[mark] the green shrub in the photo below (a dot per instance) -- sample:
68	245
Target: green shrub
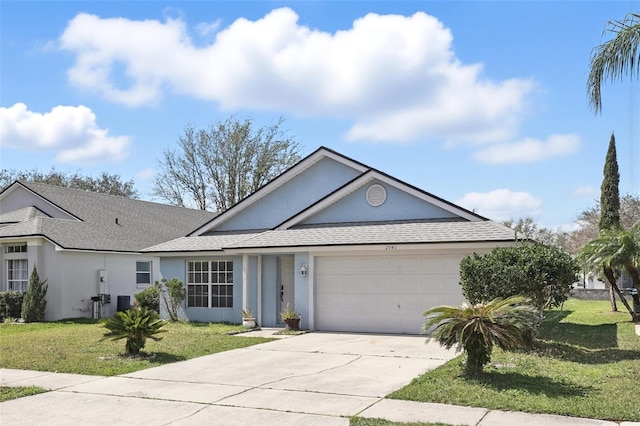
173	296
542	273
35	301
506	323
149	297
136	325
11	304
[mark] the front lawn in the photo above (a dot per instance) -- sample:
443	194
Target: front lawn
75	346
586	363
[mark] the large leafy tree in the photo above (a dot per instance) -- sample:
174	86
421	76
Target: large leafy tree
507	323
615	250
216	167
104	183
614	58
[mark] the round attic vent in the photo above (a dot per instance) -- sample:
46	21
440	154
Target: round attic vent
376	195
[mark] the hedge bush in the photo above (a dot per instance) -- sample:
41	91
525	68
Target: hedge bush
11	304
149	298
542	273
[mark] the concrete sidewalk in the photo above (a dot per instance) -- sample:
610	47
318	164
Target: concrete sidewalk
312	379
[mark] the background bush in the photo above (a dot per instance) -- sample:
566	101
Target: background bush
542	273
11	304
149	297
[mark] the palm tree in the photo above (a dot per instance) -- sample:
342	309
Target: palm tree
136	325
615	250
616	57
507	323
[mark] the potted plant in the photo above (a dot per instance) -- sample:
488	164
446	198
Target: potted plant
248	319
291	318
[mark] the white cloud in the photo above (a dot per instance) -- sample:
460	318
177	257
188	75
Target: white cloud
587	191
395	77
502	204
145	174
529	150
70	131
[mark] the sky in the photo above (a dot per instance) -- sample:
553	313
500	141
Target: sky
482	103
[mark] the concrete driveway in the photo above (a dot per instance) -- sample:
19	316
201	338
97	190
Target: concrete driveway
315	378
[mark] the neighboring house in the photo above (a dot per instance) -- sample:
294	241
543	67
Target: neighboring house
84	244
349	247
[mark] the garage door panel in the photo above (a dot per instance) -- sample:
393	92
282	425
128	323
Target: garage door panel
383	293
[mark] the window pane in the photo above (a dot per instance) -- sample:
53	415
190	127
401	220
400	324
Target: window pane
143	266
143	278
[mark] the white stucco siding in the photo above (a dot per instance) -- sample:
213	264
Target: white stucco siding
73	278
384	292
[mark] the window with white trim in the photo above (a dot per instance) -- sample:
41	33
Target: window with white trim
17	275
210	284
22	248
143	273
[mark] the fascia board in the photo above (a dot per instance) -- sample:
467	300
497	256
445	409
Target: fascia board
372	248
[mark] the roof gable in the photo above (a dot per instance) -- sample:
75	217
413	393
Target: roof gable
404	202
20	195
302	185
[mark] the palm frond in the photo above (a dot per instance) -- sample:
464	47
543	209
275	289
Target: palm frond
614	58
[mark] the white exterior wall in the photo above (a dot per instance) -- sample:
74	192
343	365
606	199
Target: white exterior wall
73	278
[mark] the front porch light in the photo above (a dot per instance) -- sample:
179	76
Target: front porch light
303	270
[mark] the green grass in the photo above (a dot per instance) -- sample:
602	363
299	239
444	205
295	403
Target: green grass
76	346
586	363
7	393
361	421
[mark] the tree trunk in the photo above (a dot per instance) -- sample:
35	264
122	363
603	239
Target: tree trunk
612	281
634	275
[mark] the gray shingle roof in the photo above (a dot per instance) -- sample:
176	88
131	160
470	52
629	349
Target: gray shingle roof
388	233
202	243
391	233
140	223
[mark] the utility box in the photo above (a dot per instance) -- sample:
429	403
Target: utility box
124	303
103	284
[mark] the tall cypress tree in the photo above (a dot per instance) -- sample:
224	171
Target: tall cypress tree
610	208
35	302
609	192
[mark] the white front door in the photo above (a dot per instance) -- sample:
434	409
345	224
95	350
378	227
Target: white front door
286	283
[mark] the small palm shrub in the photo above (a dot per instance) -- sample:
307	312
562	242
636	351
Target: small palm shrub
507	323
136	325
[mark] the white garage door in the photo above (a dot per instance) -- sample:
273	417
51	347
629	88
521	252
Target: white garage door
386	294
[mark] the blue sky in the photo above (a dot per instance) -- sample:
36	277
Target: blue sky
482	103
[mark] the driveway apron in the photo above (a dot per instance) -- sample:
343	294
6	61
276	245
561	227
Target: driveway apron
315	378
